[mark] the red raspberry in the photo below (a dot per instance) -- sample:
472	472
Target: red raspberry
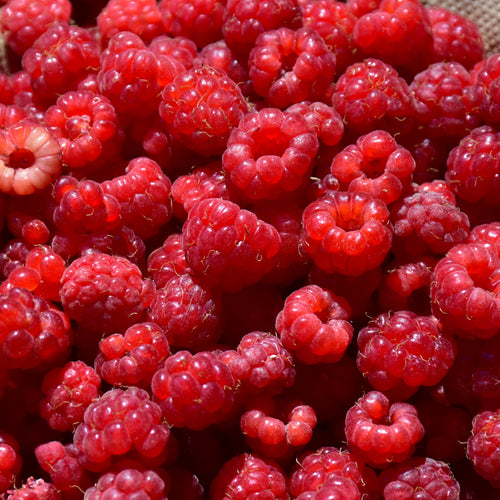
379	432
483	446
30	158
59	59
288	66
10	460
347	232
245	476
269	154
180	48
244	22
68	390
201	107
488	235
334	487
485	79
23	21
465	291
128	484
400	351
370	95
228	247
119	421
35	489
87	129
199	20
188	312
455	37
314	325
194	390
144	196
105	293
134	357
13	255
141	17
377	165
419	476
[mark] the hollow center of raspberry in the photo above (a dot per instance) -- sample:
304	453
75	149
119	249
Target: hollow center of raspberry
21	158
373	168
270	143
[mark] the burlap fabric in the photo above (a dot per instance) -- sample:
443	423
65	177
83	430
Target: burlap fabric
486	13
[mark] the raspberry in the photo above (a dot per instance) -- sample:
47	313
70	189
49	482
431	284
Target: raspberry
180	48
314	325
269	154
188	312
128	484
61	57
86	126
141	17
201	107
347	232
377	165
23	21
288	66
119	421
401	351
35	489
134	357
11	114
465	291
483	445
335	487
488	235
30	158
105	293
370	95
13	256
144	196
247	476
193	390
379	432
10	460
455	37
485	79
228	247
420	476
68	390
244	22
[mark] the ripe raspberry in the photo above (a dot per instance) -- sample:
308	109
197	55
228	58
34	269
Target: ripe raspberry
141	17
23	21
10	460
314	325
483	446
377	165
35	489
485	79
180	48
201	107
199	20
244	22
488	235
61	57
30	158
68	390
465	291
193	390
347	232
134	357
401	351
128	484
189	313
119	421
379	432
228	247
269	154
144	196
247	476
420	476
13	255
11	114
105	293
86	126
455	37
370	95
334	487
288	66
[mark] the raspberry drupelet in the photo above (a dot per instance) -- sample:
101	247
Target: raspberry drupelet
269	154
104	292
194	390
180	48
399	352
379	432
488	235
347	232
314	325
287	66
334	487
10	460
228	247
485	79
